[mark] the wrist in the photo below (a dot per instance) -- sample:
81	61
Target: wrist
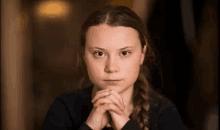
90	125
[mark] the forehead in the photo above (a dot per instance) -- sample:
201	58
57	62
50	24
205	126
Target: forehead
106	36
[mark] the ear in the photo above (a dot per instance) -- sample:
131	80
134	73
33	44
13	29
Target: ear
143	54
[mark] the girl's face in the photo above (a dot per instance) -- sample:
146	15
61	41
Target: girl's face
113	56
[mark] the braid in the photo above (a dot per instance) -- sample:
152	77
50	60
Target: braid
142	100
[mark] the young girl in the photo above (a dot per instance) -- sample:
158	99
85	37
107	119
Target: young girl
114	49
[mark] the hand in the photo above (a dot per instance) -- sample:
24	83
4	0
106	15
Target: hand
99	116
119	118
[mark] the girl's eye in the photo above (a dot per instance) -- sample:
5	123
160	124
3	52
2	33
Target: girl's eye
124	53
98	53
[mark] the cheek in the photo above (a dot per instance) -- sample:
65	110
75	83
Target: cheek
94	69
131	68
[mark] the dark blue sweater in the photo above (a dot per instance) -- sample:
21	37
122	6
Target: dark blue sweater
70	111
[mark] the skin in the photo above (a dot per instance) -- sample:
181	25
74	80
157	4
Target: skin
113	62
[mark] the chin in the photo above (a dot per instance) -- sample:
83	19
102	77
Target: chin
119	88
111	87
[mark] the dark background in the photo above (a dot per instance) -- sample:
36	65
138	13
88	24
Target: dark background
178	58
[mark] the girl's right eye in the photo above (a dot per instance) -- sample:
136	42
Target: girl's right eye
98	53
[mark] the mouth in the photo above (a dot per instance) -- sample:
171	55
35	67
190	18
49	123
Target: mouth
112	80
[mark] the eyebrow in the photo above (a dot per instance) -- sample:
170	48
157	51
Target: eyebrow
104	49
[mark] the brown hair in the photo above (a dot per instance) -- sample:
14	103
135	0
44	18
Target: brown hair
123	16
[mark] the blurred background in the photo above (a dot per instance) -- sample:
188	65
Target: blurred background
40	39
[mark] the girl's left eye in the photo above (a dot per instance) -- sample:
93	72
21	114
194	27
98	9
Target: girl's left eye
124	53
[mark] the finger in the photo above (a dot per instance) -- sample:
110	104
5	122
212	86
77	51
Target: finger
117	96
102	101
100	95
102	109
113	107
116	101
109	99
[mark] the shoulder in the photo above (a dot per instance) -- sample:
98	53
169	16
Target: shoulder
66	110
79	96
164	114
72	100
165	104
161	105
159	102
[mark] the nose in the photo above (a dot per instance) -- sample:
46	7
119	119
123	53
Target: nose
111	66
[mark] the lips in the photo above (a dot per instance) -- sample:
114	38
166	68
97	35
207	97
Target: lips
112	82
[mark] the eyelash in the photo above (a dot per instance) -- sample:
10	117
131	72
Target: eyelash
102	52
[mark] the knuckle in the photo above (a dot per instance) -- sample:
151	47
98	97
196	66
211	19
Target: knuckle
98	109
104	100
110	95
113	91
96	103
110	106
107	105
107	92
107	100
